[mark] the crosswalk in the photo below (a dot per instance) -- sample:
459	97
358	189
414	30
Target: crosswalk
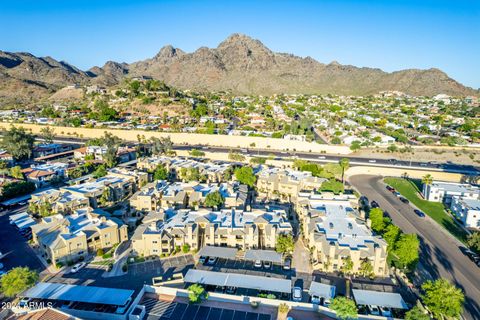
158	308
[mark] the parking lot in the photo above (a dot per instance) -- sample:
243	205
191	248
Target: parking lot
158	309
246	267
15	247
138	274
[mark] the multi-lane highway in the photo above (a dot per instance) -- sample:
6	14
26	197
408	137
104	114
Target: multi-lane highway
320	157
439	254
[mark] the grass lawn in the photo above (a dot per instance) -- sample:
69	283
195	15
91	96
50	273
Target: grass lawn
410	189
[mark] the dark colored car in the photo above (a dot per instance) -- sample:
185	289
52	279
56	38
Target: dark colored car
389	188
419	213
470	254
374	204
404	200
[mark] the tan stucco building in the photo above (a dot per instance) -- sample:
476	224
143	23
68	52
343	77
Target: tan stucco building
67	239
228	227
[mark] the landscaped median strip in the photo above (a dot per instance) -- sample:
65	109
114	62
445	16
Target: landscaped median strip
435	210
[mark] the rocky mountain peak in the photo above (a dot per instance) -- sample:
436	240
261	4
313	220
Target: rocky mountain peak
168	52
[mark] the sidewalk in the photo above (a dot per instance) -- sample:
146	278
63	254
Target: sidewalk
119	262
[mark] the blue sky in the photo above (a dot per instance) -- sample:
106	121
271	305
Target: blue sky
388	34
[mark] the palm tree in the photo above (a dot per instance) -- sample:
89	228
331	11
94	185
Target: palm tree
344	164
427	179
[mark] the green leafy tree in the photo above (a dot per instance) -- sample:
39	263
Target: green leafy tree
18	280
246	176
332	185
378	223
473	241
16	189
214	200
285	243
345	308
161	145
443	299
18	142
196	293
344	164
16	172
105	197
391	235
416	314
186	248
427	179
235	156
347	266
47	134
197	153
110	157
366	268
45	209
101	171
160	173
406	249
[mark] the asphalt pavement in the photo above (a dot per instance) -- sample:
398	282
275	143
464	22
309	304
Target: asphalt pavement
440	254
14	248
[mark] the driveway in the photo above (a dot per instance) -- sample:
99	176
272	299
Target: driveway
439	254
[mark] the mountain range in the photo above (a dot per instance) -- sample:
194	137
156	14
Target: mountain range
239	64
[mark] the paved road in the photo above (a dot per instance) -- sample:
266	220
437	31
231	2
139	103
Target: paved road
17	252
440	254
325	158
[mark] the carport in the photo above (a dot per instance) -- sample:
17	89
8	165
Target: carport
86	294
322	290
218	252
238	281
25	223
382	299
263	255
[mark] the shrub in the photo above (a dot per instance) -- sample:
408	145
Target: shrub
283	308
196	293
100	252
186	248
124	267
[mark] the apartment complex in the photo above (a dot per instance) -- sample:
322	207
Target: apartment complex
161	194
62	239
285	184
467	210
439	191
228	227
334	232
213	171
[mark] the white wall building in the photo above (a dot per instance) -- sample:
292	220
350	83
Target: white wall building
440	191
468	210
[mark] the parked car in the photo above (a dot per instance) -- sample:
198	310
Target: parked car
24	302
389	188
322	157
404	200
287	264
419	213
1	265
372	161
374	204
396	194
212	260
373	310
469	253
202	259
326	302
77	267
258	264
230	290
386	312
267	264
297	294
315	299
